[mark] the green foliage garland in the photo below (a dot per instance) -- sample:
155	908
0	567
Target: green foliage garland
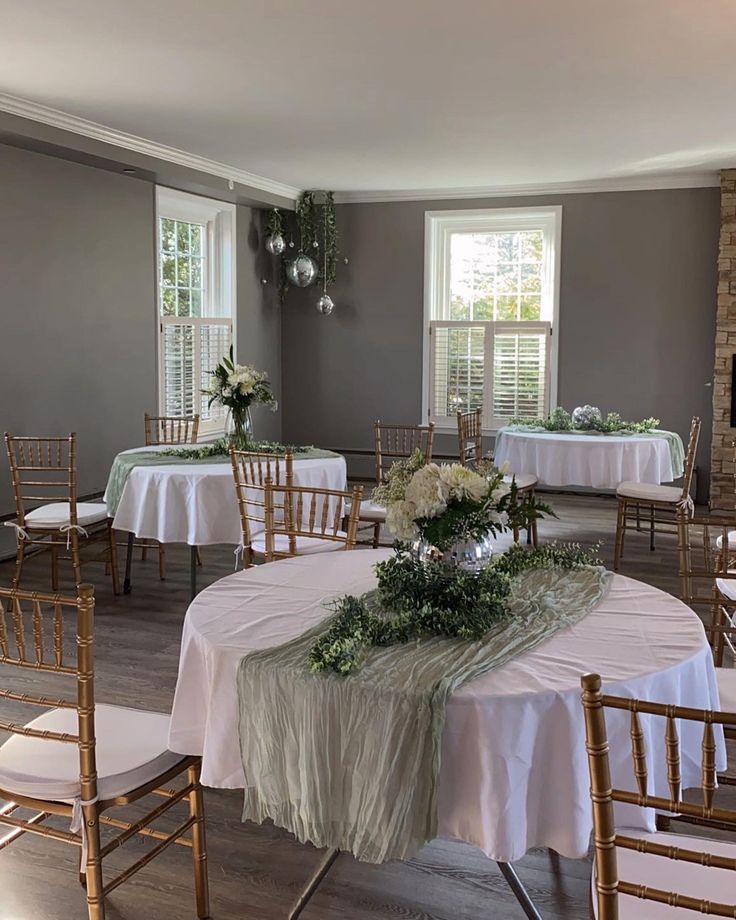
561	420
415	600
275	223
221	448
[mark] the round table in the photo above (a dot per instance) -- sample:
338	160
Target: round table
195	502
514	771
595	461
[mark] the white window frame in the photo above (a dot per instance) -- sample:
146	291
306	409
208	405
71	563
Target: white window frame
220	279
438	229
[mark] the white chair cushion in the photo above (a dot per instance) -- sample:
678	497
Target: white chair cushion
647	491
305	546
727	688
731	540
131	750
523	480
671	875
57	514
727	587
369	511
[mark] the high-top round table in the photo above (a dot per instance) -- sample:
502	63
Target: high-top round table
514	772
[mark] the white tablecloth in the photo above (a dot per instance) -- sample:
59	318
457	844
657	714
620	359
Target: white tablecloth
196	504
600	462
514	771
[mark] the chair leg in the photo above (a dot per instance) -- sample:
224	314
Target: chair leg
199	844
93	874
618	551
535	534
76	562
113	556
651	529
19	557
144	551
516	534
54	562
199	557
161	561
376	536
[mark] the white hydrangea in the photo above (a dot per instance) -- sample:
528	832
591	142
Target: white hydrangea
244	379
400	520
460	482
425	492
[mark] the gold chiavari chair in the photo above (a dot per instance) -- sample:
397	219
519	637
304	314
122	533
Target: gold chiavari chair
635	870
393	442
251	471
168	430
78	760
44	470
470	451
171	429
708	585
302	520
470	436
658	503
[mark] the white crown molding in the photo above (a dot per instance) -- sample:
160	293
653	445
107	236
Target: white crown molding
622	184
34	111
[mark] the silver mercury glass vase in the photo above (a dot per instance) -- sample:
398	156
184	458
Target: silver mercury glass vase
468	555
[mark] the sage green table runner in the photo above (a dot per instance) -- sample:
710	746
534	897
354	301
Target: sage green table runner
674	441
353	762
125	462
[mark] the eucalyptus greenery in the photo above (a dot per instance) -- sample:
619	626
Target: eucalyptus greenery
416	600
221	448
561	420
275	223
318	225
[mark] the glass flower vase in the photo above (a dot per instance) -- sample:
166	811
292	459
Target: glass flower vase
239	428
468	555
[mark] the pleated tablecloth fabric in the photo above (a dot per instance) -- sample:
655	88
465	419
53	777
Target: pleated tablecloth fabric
598	462
195	503
513	771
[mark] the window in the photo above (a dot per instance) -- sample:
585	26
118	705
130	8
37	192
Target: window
196	294
491	293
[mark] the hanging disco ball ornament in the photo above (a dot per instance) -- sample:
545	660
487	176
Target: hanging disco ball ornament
275	244
325	305
302	271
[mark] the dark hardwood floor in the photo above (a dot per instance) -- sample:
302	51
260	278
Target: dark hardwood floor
256	871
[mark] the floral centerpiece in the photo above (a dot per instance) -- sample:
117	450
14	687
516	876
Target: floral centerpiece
587	418
450	512
237	387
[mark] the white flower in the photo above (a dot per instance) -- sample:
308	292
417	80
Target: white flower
244	379
400	520
425	492
458	481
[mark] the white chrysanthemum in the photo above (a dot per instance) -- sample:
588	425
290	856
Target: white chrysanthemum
425	493
244	378
460	482
400	520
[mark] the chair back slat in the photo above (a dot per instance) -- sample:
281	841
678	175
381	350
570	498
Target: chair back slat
298	512
251	470
398	442
42	470
608	885
171	429
692	447
707	551
470	436
638	753
43	609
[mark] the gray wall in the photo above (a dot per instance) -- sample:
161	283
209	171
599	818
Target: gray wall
78	302
77	340
637	315
258	326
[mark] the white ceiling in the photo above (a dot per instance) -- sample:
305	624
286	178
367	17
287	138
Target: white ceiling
394	94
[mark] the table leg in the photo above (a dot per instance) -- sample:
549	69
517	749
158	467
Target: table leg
321	871
193	571
517	886
128	563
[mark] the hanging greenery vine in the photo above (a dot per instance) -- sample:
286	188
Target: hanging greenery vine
275	223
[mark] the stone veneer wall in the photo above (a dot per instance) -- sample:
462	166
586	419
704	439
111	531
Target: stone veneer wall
722	491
